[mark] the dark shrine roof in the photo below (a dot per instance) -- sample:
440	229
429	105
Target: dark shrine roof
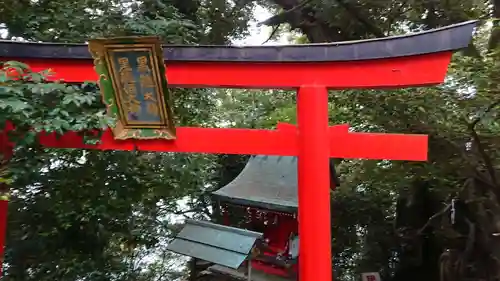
268	182
448	38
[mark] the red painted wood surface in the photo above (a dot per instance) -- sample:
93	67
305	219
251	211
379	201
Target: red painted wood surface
5	145
282	141
5	155
419	70
4	206
315	255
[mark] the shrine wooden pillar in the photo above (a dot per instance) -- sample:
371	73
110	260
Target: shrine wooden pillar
314	184
4	206
6	152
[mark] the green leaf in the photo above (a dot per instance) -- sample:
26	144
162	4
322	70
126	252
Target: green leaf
15	105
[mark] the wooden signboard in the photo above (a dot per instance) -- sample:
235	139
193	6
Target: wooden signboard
134	86
370	276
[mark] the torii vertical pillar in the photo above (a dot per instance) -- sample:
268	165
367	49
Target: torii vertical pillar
6	152
4	205
314	184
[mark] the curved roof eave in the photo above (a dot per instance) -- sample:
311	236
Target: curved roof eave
266	182
448	38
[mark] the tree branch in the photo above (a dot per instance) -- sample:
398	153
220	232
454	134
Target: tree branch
471	238
275	29
433	218
357	15
183	212
494	39
486	111
283	16
486	158
480	147
395	12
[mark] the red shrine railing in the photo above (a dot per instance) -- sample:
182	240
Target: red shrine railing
394	62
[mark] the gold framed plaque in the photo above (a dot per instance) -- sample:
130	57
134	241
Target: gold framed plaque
134	86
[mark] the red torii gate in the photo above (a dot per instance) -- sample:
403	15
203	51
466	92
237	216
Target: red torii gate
395	62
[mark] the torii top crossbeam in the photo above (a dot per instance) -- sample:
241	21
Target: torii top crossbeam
402	61
394	62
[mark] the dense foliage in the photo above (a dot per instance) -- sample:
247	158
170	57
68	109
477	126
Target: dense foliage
86	215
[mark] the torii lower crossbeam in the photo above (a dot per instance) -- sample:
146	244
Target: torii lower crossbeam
283	141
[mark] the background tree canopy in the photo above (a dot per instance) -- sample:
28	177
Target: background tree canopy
88	215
